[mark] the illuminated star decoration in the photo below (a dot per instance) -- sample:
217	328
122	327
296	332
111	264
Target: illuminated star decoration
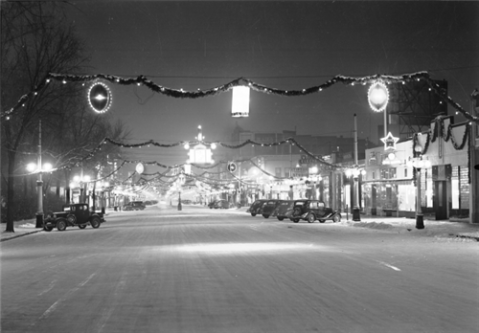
390	142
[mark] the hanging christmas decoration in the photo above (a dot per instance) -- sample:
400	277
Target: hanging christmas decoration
378	96
99	97
240	100
243	82
390	142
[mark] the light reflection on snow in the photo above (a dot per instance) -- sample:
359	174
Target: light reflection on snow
226	248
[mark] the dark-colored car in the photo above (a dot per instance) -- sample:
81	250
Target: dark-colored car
73	215
312	210
284	210
256	207
269	207
134	205
221	204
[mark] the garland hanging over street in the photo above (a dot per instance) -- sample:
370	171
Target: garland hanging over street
180	93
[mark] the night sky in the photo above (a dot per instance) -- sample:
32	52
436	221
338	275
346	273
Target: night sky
285	45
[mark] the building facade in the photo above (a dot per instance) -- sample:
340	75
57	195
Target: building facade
390	185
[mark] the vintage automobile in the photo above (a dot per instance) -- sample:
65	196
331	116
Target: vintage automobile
256	207
78	215
221	204
134	205
312	210
283	210
269	207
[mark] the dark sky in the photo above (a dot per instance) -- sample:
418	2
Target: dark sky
286	45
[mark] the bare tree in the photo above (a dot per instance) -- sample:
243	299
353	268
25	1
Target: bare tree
35	40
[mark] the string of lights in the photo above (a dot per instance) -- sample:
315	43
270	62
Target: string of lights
181	93
290	141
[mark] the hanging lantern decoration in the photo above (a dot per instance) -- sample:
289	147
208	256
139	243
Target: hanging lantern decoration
240	107
378	96
140	168
99	97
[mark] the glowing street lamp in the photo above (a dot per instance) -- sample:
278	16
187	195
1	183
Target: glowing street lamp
34	168
418	163
354	173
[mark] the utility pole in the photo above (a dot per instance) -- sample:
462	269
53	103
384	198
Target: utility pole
356	211
474	160
39	216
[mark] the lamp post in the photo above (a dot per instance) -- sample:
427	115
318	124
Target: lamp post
418	163
39	169
354	173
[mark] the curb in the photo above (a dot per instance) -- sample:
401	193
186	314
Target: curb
466	237
20	235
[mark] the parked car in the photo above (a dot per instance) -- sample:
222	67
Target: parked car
269	207
73	215
312	210
221	204
284	210
256	207
134	205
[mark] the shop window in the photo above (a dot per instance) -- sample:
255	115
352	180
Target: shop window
464	187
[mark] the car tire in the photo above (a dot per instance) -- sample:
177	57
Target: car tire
266	216
336	218
253	214
61	224
47	228
295	220
82	226
95	222
310	218
280	218
322	221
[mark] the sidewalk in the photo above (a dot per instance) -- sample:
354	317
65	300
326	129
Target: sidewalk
21	228
462	229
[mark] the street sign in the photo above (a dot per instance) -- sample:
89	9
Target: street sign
231	167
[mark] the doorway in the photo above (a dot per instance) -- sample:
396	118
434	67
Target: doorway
374	211
440	200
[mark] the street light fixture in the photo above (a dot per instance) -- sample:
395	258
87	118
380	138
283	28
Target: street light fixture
354	173
34	168
418	163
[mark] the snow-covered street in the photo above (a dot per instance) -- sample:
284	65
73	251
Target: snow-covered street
201	270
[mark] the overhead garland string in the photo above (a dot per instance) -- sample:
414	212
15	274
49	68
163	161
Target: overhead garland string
180	93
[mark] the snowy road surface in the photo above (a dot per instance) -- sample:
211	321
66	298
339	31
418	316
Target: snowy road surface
202	270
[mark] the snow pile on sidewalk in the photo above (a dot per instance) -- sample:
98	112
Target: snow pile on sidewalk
26	225
431	228
373	225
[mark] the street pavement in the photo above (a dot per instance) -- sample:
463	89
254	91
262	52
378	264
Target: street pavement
201	270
